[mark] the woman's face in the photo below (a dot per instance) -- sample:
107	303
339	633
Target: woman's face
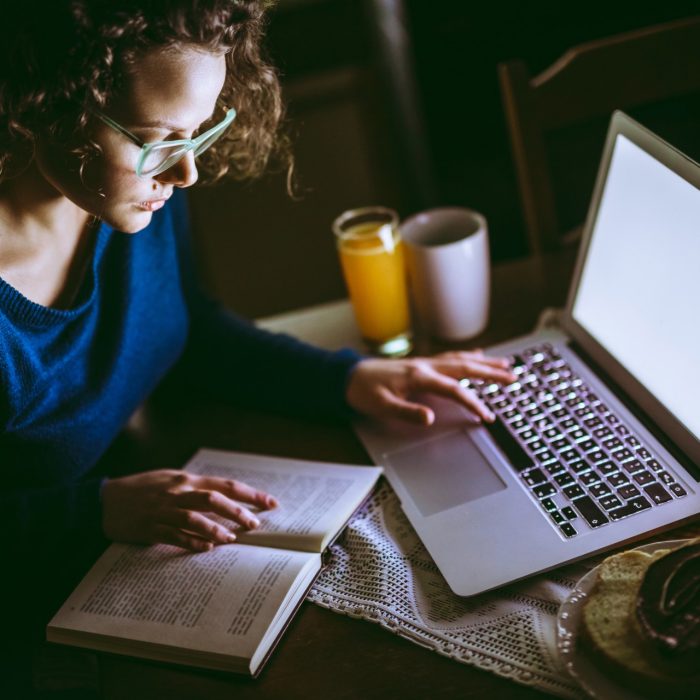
169	94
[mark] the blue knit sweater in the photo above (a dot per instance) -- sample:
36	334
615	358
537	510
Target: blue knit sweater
70	379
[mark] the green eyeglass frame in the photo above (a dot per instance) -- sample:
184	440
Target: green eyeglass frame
158	156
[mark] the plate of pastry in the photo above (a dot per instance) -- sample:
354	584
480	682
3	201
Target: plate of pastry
630	629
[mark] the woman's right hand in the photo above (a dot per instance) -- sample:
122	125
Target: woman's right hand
173	507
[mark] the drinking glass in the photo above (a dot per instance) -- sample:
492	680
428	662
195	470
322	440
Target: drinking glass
372	259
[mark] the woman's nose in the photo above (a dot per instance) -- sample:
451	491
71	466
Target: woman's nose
181	174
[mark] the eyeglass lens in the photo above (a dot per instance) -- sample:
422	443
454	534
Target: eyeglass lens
163	157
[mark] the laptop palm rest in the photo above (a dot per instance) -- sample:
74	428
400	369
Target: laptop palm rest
443	472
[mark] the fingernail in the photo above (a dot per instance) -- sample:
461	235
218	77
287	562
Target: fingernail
231	537
491	417
253	522
272	502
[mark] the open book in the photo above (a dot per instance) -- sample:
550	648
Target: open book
224	609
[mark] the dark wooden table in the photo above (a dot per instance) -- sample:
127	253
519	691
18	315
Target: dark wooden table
322	654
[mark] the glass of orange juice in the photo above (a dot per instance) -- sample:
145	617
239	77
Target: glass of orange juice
371	255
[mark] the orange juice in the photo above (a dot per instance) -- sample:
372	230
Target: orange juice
371	255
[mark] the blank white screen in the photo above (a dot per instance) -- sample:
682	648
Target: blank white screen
640	287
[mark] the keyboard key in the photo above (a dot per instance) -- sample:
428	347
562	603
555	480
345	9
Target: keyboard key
622	430
543	424
544	456
639	503
568	423
560	413
633	466
653	464
557	517
632	441
589	510
628	509
551	433
536	445
534	477
597	456
600	490
665	477
618	479
610	502
678	490
544	490
644	453
628	491
564	479
570	455
561	444
603	432
577	434
612	444
589	478
553	467
580	466
569	513
644	478
518	361
622	455
568	529
587	445
548	504
516	455
606	467
526	435
573	491
657	493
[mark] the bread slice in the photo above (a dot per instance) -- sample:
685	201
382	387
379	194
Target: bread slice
612	638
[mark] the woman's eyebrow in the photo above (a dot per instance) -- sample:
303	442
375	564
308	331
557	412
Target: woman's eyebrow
169	126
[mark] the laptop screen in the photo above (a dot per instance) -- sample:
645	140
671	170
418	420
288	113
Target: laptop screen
639	290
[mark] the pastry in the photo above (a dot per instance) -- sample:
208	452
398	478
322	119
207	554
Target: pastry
637	634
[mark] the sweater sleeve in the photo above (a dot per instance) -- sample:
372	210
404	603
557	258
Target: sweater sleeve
244	364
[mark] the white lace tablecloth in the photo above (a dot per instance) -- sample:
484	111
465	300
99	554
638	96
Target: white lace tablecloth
380	571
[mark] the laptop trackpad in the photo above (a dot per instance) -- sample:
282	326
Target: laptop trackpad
444	472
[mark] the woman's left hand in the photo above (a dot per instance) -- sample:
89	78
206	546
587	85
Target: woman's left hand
381	388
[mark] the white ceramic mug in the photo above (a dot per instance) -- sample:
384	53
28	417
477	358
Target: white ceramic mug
447	256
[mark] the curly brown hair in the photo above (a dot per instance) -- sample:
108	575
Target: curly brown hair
62	61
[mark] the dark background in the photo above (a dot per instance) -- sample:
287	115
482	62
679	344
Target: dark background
262	253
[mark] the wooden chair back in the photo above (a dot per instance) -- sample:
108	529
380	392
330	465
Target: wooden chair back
590	80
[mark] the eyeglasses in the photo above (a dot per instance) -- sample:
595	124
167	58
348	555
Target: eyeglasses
158	156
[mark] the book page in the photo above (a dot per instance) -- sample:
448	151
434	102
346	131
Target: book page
316	498
212	609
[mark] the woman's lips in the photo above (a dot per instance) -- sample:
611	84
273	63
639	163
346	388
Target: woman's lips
151	204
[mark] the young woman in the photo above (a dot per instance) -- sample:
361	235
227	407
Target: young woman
109	110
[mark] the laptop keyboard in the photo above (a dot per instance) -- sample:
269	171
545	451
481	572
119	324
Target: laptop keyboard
576	457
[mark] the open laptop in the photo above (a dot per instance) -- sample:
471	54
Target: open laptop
598	443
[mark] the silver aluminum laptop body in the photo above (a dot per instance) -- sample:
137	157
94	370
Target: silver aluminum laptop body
630	330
